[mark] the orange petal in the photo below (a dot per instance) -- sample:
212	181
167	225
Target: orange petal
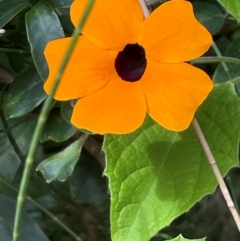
118	108
110	24
174	92
172	34
89	68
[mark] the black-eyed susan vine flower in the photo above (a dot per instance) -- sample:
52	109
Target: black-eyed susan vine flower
124	67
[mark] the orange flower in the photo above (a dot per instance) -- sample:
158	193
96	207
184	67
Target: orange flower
124	66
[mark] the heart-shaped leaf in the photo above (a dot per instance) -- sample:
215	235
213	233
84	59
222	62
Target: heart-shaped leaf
155	174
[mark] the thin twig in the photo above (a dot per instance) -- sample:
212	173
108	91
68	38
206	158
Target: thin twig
216	59
217	173
18	51
145	10
53	217
219	54
234	81
41	122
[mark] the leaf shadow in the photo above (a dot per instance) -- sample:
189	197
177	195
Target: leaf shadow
177	166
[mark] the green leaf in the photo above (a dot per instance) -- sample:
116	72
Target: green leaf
42	25
155	175
62	8
61	165
223	44
86	184
23	131
181	238
209	15
4	61
17	37
20	61
30	230
10	8
232	6
66	110
6	75
57	129
9	160
24	94
222	74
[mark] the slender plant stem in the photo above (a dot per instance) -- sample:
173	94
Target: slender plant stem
234	80
205	60
145	10
217	173
53	217
14	125
40	124
219	54
19	51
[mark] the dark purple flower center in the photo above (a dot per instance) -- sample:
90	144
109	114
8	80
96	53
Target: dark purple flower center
131	63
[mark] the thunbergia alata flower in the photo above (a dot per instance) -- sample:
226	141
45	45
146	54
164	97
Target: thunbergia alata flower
124	66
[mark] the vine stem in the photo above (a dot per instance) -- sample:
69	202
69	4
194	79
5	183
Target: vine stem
219	54
53	217
234	80
145	10
40	124
205	60
9	50
217	172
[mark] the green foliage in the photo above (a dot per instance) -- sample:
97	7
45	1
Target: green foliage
30	229
61	165
232	6
209	15
9	159
25	94
229	71
86	184
10	8
66	110
44	20
57	129
167	172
